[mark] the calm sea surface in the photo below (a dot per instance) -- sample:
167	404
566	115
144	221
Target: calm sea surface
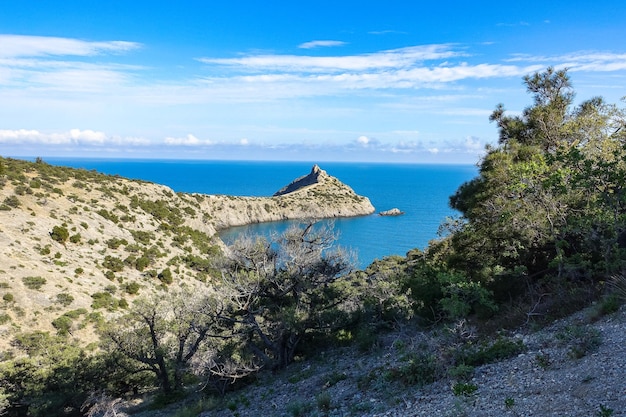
421	191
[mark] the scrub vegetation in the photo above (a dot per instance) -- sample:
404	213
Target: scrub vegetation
147	300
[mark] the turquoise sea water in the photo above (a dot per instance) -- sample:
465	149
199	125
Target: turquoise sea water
421	191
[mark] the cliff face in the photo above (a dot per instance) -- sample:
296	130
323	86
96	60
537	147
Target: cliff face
118	238
314	196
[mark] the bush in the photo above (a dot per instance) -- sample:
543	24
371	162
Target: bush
115	243
502	348
104	300
142	263
166	276
8	297
581	340
421	369
12	201
65	299
132	288
63	324
112	263
34	283
75	238
464	389
60	234
4	319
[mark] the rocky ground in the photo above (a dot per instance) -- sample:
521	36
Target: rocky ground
575	367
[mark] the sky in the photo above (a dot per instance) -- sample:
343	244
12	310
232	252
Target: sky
393	81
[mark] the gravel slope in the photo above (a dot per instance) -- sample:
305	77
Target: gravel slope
546	380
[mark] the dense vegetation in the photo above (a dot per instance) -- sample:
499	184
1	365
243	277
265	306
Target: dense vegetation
541	231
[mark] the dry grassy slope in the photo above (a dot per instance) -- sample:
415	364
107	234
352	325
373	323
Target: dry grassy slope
38	197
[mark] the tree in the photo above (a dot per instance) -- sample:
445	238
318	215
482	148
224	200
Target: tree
283	288
162	334
550	199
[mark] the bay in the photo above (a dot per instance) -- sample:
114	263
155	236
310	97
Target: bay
420	191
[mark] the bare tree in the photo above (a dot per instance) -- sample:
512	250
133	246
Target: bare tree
282	287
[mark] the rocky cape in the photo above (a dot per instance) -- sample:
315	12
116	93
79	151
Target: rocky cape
122	237
313	196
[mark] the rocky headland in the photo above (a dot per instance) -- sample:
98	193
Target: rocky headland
313	196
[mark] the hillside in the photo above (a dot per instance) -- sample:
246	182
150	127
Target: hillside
76	244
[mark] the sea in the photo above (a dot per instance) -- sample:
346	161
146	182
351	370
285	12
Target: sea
421	191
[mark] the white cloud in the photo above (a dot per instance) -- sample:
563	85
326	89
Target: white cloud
318	44
189	140
39	62
394	58
363	140
34	46
86	137
433	150
386	32
244	142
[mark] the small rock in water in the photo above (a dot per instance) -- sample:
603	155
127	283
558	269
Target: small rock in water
393	212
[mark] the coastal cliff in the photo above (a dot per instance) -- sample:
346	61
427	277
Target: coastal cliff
75	241
313	196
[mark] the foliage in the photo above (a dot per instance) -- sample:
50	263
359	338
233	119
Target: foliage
12	202
581	340
165	276
500	349
162	335
465	389
34	283
60	234
286	289
55	376
421	368
112	263
548	209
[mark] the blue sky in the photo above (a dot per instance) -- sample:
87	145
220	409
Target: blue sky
393	81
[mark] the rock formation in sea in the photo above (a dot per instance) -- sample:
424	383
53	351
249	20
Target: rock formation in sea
393	212
316	195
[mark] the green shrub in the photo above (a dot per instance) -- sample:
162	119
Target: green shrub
464	389
142	263
12	201
75	238
142	236
4	318
60	234
502	348
34	283
461	371
113	264
65	299
166	276
324	402
115	243
108	215
420	369
104	300
8	297
299	409
132	288
63	324
580	339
